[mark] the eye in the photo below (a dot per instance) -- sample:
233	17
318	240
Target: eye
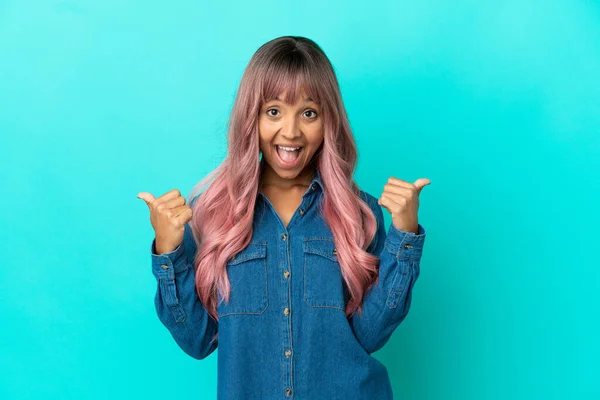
311	111
276	110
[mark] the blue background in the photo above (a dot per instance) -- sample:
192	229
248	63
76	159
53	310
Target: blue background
497	103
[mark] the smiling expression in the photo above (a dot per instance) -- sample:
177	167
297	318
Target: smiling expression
296	125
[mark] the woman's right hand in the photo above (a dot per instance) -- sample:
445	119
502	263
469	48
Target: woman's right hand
168	216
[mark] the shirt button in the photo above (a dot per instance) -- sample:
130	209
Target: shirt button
301	212
288	392
284	236
334	251
408	246
286	273
288	353
312	188
286	311
164	266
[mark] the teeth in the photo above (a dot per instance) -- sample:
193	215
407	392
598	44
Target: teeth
288	148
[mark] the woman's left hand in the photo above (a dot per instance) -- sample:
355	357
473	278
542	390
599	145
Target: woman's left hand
401	199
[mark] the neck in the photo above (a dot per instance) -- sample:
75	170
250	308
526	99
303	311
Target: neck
270	178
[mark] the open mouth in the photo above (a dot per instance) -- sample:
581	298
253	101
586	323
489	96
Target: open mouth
288	156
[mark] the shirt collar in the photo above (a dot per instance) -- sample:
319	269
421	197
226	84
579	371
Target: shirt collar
315	184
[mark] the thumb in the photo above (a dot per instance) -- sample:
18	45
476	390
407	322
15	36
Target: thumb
147	197
421	183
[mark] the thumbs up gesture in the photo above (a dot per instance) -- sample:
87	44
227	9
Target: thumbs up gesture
168	216
401	199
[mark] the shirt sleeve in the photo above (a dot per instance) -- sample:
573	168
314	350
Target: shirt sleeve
176	302
387	303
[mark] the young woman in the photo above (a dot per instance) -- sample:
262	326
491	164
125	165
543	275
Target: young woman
283	262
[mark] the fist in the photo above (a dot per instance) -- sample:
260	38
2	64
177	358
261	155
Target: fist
168	216
401	199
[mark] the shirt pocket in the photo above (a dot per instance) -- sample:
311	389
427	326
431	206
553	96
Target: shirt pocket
247	272
323	282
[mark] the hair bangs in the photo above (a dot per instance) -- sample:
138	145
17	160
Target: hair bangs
288	76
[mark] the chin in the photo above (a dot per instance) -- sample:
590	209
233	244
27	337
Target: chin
287	173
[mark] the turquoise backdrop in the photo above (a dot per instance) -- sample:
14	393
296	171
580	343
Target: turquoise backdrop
497	103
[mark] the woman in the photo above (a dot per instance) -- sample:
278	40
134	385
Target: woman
283	262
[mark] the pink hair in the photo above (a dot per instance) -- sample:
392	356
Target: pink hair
223	213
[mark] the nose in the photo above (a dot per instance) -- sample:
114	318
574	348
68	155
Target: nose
290	130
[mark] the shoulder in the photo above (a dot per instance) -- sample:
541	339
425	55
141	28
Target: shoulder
194	199
373	203
369	199
375	245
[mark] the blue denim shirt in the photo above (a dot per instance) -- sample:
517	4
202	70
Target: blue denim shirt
284	333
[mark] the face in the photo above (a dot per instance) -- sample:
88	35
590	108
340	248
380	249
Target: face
298	128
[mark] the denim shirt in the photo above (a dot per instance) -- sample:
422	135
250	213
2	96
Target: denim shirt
284	333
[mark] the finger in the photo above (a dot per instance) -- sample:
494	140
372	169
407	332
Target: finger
147	197
173	203
183	215
403	190
400	182
172	194
421	183
176	211
389	204
400	199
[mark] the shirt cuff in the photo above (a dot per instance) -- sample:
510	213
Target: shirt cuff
168	263
405	244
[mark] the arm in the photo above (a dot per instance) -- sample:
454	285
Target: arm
177	304
387	303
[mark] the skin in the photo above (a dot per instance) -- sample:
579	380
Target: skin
168	215
401	199
280	123
299	124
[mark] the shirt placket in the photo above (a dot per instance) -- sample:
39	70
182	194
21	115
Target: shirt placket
285	248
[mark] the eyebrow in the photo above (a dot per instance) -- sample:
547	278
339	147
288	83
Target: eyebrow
307	100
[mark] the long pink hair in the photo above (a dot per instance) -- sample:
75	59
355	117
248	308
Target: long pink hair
223	213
